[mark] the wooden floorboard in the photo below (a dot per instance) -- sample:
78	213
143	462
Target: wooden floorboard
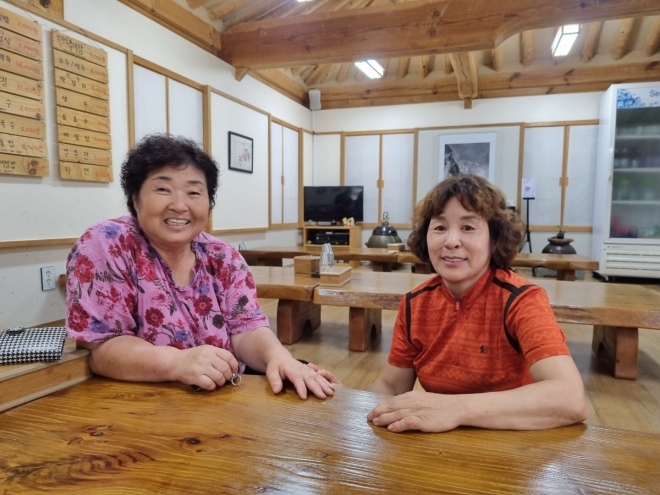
631	405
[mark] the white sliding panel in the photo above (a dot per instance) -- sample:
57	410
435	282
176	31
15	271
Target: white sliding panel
150	102
542	161
290	172
186	106
362	161
582	151
398	162
276	170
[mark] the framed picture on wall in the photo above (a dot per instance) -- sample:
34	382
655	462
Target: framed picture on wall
467	154
240	153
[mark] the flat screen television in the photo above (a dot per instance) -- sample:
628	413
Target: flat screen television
333	203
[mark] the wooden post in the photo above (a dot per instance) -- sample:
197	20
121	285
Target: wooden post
363	323
292	317
617	347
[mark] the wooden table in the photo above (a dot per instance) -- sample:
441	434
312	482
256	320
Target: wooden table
617	311
565	264
108	437
382	259
295	309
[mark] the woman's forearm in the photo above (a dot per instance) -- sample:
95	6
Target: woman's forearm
132	359
541	405
257	347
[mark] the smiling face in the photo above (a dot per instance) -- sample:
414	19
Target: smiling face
459	246
172	207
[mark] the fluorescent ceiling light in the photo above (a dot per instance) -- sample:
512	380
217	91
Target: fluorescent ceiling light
566	36
371	68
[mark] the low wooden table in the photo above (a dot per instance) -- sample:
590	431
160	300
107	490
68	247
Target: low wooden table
295	309
108	437
617	311
565	264
381	259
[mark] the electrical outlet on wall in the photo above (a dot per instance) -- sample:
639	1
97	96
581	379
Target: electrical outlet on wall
48	281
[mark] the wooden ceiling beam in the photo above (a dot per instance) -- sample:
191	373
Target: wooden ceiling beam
406	29
404	65
466	74
343	72
423	63
219	10
551	81
319	73
180	20
193	4
591	41
526	48
252	10
447	64
279	81
623	36
296	71
498	58
653	41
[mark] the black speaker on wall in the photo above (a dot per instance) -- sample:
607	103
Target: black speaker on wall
315	99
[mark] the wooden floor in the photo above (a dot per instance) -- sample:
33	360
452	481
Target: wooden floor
632	405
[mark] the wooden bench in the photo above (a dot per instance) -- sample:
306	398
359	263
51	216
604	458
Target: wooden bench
616	311
565	264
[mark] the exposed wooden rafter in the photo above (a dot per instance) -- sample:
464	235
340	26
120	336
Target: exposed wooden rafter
404	65
251	11
622	41
653	40
425	65
342	72
241	72
591	41
466	76
526	48
551	81
280	82
447	64
179	20
405	29
498	58
224	7
193	4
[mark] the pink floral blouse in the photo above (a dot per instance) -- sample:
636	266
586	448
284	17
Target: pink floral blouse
118	285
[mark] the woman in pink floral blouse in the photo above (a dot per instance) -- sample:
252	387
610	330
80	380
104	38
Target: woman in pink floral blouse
157	299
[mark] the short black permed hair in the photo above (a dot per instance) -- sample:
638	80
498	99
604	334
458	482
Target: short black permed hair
161	150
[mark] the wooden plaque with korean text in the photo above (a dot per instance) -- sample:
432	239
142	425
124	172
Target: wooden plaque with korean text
77	101
82	93
79	171
81	154
21	145
82	120
81	84
79	49
23	165
16	43
83	137
23	66
19	24
25	107
21	86
21	126
23	149
73	64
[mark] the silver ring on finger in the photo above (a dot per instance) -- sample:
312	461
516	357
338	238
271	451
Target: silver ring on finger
235	379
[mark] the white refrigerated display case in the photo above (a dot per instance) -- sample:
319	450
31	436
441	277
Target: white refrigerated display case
626	229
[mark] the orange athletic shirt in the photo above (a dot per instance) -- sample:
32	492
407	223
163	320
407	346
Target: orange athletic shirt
461	346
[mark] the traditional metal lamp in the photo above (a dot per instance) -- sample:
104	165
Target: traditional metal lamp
383	235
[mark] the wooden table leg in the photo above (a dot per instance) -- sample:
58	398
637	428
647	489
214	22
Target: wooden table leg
270	262
292	317
423	268
568	275
381	266
363	323
618	348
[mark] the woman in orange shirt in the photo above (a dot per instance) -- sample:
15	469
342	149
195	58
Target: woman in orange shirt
483	342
